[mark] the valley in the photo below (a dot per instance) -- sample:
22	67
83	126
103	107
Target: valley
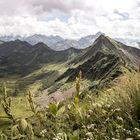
69	70
50	76
39	66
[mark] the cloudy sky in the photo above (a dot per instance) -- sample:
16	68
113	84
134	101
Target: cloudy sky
70	18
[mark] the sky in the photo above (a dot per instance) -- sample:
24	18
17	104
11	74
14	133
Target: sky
70	18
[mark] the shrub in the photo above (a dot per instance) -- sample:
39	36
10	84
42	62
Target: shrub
114	114
129	98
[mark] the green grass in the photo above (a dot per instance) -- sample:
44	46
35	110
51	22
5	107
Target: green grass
112	114
20	107
38	80
42	78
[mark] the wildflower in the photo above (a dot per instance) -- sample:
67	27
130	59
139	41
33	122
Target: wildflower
42	133
98	105
59	136
83	126
119	126
117	109
120	120
108	106
114	139
107	120
128	132
124	129
91	126
136	129
89	135
90	111
88	116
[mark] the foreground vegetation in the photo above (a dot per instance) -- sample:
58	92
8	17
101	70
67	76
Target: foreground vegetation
112	114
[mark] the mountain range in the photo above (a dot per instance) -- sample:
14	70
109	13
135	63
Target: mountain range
100	63
58	43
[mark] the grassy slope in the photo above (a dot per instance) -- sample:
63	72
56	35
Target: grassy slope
106	116
33	82
111	114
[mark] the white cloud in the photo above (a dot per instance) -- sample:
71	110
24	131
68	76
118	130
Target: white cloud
70	18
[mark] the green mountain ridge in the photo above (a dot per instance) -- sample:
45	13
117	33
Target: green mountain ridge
19	57
100	63
104	61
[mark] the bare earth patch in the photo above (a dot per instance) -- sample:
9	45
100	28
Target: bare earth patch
58	96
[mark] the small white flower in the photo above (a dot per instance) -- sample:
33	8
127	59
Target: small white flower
42	133
136	129
88	116
118	109
59	136
129	139
114	139
83	126
91	126
98	105
90	111
89	135
108	106
120	118
128	132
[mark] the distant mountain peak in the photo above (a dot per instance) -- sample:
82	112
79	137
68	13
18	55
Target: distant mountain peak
101	37
99	33
18	40
48	40
42	45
